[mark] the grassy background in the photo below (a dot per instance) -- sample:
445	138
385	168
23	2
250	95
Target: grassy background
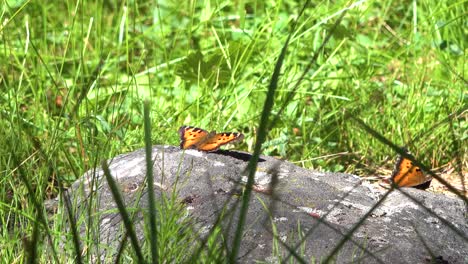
74	75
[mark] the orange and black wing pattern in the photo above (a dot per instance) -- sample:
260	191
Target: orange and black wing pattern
215	141
406	174
191	136
200	139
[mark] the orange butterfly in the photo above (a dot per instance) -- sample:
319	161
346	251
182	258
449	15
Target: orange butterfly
197	138
406	174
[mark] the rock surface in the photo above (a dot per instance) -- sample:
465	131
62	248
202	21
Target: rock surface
307	210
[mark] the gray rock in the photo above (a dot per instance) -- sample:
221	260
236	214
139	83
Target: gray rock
306	210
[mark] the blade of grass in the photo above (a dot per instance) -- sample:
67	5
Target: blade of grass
150	179
306	71
225	213
17	12
65	199
406	155
292	250
41	218
123	211
458	160
32	244
349	234
53	171
261	137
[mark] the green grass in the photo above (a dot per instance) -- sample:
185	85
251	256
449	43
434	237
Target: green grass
74	76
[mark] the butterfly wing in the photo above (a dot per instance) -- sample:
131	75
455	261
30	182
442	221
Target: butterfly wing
190	137
213	142
406	174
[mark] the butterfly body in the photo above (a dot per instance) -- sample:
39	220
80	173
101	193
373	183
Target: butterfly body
406	174
200	139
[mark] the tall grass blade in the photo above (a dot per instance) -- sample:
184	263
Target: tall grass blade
293	91
123	211
387	142
37	206
408	156
150	179
65	199
261	137
31	246
292	250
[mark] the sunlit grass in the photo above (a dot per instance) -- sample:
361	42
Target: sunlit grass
74	77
